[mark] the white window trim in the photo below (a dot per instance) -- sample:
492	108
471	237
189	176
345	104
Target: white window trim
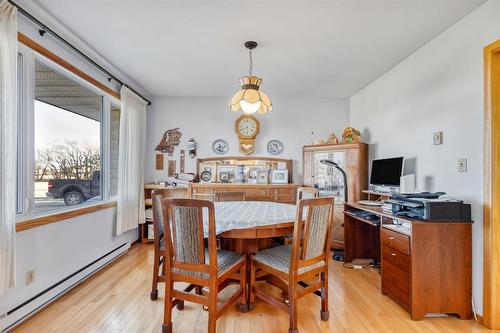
27	126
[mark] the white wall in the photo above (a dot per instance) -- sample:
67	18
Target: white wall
208	118
438	88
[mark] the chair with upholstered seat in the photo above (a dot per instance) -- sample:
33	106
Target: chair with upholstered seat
186	260
157	196
302	193
299	263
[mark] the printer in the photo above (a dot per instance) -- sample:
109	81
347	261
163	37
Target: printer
429	207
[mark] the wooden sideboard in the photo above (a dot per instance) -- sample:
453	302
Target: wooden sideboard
426	269
353	158
284	193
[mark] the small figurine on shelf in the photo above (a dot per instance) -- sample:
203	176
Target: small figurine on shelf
191	146
351	135
332	139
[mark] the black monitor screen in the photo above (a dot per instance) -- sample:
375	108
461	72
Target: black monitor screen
387	171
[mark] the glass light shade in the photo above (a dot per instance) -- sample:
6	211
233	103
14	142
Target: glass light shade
249	99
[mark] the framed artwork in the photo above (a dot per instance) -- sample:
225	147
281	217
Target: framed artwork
229	173
262	177
224	177
279	176
171	168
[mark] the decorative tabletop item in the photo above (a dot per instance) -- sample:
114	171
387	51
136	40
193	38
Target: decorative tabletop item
274	147
170	139
332	139
220	146
206	176
351	135
191	146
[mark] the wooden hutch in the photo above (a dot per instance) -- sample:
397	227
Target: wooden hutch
241	174
353	159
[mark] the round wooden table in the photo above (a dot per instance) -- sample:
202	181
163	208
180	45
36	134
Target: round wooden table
248	226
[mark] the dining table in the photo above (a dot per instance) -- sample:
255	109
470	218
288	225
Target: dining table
246	227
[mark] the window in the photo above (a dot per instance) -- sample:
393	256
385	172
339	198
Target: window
67	142
68	139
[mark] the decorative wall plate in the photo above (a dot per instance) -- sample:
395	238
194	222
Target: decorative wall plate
274	147
220	146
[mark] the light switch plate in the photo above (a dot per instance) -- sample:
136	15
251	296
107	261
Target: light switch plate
438	138
462	164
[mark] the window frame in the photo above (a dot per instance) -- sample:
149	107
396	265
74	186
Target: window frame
26	157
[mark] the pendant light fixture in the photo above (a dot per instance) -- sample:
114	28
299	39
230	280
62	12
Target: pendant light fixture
250	99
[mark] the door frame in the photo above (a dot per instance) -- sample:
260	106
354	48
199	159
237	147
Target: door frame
491	212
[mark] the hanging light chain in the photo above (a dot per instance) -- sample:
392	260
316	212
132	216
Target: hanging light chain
250	70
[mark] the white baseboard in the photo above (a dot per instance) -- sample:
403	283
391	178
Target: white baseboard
29	307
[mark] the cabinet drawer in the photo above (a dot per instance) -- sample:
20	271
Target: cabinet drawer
278	191
395	240
204	190
396	283
290	198
257	192
396	278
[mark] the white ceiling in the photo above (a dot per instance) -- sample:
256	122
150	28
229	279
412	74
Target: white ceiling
306	48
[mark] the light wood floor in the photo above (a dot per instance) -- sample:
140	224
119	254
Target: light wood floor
117	300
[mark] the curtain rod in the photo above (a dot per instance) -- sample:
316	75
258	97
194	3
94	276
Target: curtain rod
43	29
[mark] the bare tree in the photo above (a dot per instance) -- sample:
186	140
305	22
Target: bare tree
69	160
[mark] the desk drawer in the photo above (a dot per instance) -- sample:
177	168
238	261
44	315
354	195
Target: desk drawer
395	240
396	280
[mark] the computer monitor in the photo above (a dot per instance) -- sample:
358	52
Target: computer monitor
387	171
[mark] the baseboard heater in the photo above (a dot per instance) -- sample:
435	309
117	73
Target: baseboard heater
28	308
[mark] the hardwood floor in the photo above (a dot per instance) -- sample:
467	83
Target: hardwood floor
117	300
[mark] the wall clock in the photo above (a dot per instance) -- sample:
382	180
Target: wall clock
220	146
274	147
247	127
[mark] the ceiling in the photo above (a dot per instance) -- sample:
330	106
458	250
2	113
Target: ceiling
307	48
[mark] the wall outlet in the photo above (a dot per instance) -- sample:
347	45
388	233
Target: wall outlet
438	138
462	164
30	277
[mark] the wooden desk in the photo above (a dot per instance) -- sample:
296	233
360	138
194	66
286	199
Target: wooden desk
427	269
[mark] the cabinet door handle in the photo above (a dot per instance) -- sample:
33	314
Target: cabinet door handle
263	193
391	238
393	254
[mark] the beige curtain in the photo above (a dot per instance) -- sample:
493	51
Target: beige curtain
8	138
131	156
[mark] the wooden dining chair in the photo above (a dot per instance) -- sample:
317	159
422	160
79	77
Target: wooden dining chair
229	196
294	264
186	260
307	192
159	243
302	193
